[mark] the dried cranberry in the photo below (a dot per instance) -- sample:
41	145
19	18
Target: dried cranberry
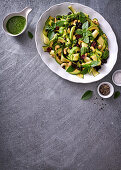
69	13
74	65
94	44
77	45
59	57
49	49
82	56
78	36
57	27
70	47
97	67
104	61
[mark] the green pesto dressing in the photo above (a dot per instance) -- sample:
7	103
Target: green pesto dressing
16	24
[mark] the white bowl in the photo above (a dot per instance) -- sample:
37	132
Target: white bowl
117	71
111	90
53	65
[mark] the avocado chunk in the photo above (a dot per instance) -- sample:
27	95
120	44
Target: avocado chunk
80	76
94	72
101	40
93	27
58	60
74	50
63	59
84	44
45	48
95	33
72	9
52	53
99	52
60	39
72	32
75	72
46	39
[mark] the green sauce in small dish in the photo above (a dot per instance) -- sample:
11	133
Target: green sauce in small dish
16	24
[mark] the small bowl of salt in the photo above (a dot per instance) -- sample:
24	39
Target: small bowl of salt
116	77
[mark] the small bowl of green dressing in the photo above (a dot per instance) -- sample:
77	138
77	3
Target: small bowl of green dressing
15	24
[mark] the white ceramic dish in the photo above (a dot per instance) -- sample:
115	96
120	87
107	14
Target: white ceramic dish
53	65
111	90
113	77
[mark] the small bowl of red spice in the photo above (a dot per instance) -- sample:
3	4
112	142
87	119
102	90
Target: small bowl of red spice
105	89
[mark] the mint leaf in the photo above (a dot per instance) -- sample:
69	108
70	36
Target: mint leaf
85	25
30	35
86	39
116	94
83	50
70	69
51	34
87	95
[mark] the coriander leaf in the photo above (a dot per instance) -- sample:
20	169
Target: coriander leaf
83	50
116	94
79	31
51	34
87	95
105	54
85	25
70	69
30	34
86	39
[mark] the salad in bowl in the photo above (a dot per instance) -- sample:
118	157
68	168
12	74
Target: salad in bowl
76	42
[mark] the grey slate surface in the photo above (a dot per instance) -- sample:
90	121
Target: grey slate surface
43	123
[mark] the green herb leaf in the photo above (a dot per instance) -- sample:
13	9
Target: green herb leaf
94	63
82	17
30	34
79	31
85	70
60	23
105	54
83	50
85	25
87	95
51	34
116	94
70	69
86	39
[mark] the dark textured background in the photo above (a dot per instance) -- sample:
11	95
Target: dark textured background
43	123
